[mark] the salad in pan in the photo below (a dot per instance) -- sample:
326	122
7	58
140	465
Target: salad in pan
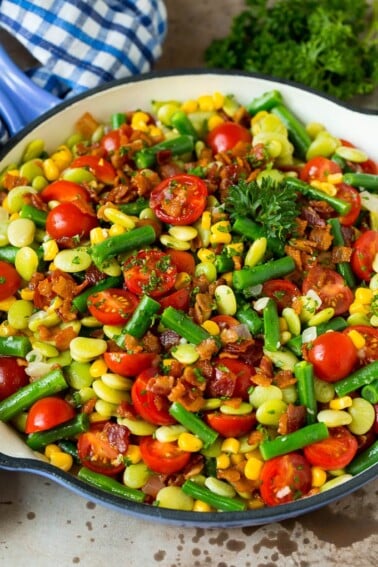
189	304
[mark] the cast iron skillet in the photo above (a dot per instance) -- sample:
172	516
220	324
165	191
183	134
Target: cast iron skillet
359	126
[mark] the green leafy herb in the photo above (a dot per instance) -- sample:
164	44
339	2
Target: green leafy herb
329	45
272	204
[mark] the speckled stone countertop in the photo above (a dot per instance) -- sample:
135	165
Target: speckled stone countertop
43	524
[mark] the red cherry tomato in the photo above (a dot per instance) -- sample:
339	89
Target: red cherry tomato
47	413
347	193
231	425
284	479
241	372
333	356
319	168
151	272
12	376
103	447
179	299
282	291
112	306
113	140
100	167
330	287
364	250
151	407
335	452
163	458
368	166
369	352
225	136
179	200
184	261
64	191
129	364
67	220
10	281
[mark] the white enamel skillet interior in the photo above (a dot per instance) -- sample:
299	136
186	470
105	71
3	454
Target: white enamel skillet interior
355	125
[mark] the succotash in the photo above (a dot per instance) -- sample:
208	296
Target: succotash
189	304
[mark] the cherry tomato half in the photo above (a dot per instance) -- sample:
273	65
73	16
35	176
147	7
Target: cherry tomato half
163	458
364	250
330	287
10	281
179	200
333	356
102	448
179	299
129	364
240	373
64	191
67	220
47	413
369	352
151	272
284	479
231	425
100	167
350	195
151	407
225	136
335	452
12	376
319	168
112	306
282	291
184	261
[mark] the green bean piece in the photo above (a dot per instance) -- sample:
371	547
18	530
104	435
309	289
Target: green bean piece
50	384
80	301
365	375
343	268
250	277
8	253
39	439
193	423
135	207
36	215
297	132
249	317
125	242
251	230
109	484
266	101
294	441
271	326
304	374
341	162
177	146
15	346
340	206
140	321
183	124
367	181
117	119
223	263
224	503
364	460
70	448
183	325
370	392
335	324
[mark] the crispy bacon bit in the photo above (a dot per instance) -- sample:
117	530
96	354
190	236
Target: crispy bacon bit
296	255
169	339
189	390
284	378
60	337
312	217
341	254
207	348
132	344
222	384
86	125
322	237
293	419
10	181
151	343
255	438
160	385
203	307
195	466
125	409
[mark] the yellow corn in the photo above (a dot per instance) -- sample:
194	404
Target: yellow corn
139	121
182	280
155	131
14	216
7	330
50	449
237	459
50	169
341	403
98	235
189	442
206	103
133	454
116	229
27	294
227	276
50	250
357	338
364	295
211	327
218	99
319	476
223	461
98	368
62	157
235	248
200	506
230	445
335	178
206	220
6	303
255	504
324	186
189	106
283	324
357	307
62	460
253	468
95	417
206	255
220	237
214	121
256	119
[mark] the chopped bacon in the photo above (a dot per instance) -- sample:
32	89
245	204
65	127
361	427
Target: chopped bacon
255	438
203	307
86	125
160	385
60	337
296	255
169	339
312	217
151	343
222	384
207	348
284	378
10	181
341	254
322	237
188	390
293	419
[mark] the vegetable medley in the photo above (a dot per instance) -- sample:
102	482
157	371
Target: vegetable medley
189	304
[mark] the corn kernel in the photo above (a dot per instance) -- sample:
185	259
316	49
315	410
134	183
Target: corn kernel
139	120
211	327
237	459
6	303
50	449
220	238
183	279
50	169
218	99
324	186
357	338
133	454
116	229
255	504
200	506
364	295
7	330
98	235
61	460
50	250
253	468
189	442
214	121
227	276
341	403
335	178
155	131
283	324
206	220
319	476
235	248
206	103
62	157
257	117
95	417
27	294
189	106
206	255
359	308
98	368
230	445
223	461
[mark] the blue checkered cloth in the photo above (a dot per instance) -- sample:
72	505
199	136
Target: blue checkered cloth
83	43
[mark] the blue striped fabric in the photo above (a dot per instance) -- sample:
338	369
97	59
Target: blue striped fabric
83	43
